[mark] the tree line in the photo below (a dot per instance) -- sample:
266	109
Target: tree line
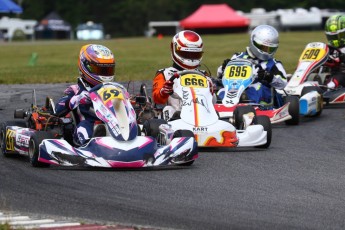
130	17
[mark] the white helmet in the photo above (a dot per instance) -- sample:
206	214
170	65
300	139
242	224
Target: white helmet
264	41
186	49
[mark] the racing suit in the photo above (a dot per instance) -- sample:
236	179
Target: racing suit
76	99
173	100
336	63
270	73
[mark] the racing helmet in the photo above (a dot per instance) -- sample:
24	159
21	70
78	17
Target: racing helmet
96	64
186	49
335	30
264	41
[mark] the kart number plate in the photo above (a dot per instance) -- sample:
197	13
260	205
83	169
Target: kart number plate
110	93
312	54
237	72
10	134
193	80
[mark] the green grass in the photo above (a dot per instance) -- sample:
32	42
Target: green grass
5	226
136	58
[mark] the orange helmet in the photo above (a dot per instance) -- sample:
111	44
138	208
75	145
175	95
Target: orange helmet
96	64
186	49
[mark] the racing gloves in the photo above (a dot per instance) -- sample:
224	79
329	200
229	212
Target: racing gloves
342	57
84	98
80	99
167	89
264	76
225	62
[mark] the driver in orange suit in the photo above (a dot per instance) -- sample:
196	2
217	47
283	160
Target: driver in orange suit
186	52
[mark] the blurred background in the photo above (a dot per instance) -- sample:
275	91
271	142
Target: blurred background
105	19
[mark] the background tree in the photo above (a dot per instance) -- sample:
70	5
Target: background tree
131	17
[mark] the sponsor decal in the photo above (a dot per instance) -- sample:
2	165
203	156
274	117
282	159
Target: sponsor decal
196	100
200	129
166	115
283	113
114	128
22	140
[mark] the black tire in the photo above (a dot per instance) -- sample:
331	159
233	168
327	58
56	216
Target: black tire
238	115
3	143
34	143
293	110
308	89
266	123
143	90
151	127
139	130
20	113
144	115
184	133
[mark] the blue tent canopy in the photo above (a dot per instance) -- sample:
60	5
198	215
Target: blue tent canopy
8	6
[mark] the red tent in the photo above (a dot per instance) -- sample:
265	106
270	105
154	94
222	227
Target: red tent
214	16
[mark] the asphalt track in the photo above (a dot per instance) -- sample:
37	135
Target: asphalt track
298	183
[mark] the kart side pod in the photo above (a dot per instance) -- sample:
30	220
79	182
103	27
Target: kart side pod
311	104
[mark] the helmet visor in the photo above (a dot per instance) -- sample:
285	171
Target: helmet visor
101	69
266	49
336	38
189	54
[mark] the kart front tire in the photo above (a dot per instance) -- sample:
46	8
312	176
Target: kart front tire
151	127
238	115
35	140
266	123
293	110
3	140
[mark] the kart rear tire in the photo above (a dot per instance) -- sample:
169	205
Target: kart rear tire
151	127
143	89
184	133
293	110
20	113
238	115
266	123
308	89
20	123
35	140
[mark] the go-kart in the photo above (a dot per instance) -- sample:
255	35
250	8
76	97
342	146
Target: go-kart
310	78
198	118
47	139
238	75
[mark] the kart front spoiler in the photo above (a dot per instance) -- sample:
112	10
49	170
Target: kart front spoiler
110	153
276	115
